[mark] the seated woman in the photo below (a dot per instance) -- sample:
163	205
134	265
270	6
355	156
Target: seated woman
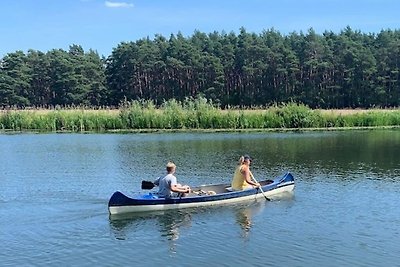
242	177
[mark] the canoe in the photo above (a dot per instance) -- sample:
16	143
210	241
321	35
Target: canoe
204	195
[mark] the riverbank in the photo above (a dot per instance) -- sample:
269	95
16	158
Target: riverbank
197	115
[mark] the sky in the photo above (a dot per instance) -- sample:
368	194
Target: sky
101	25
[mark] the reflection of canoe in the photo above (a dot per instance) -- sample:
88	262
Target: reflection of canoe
168	222
205	195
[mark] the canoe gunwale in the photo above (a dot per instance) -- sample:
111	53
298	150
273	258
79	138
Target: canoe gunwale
120	203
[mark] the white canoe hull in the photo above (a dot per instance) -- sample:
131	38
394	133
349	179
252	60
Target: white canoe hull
120	204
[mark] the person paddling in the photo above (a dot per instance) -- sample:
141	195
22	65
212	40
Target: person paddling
242	176
168	185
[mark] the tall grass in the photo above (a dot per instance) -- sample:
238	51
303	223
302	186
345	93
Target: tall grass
192	113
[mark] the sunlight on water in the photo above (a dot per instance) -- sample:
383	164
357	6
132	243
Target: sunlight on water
344	212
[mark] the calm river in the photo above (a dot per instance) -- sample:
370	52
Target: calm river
345	211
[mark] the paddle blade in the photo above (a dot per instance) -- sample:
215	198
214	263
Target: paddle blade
147	185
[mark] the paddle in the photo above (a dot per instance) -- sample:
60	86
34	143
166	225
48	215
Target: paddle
147	185
262	191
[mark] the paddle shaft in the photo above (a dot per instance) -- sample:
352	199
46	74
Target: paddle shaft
260	187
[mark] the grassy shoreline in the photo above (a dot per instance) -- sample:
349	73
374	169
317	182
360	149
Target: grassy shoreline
194	115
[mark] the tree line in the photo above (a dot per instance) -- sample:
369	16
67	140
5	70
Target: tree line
329	70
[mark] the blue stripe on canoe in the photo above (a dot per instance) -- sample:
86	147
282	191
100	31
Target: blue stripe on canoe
119	199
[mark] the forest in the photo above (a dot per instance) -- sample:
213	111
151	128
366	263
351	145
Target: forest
349	69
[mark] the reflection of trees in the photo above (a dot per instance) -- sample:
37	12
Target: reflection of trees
330	152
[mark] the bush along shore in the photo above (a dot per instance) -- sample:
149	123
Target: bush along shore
191	114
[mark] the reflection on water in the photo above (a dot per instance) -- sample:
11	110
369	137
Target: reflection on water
245	213
244	217
345	205
169	223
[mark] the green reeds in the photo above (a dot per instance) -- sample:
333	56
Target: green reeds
198	113
59	120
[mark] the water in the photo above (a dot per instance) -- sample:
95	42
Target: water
344	212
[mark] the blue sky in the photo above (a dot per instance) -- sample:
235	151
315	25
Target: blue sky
101	25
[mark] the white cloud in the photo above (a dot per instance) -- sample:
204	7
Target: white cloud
117	4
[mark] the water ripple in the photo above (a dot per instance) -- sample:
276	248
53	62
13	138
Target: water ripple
345	212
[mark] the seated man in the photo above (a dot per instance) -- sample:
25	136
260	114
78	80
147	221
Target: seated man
168	185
